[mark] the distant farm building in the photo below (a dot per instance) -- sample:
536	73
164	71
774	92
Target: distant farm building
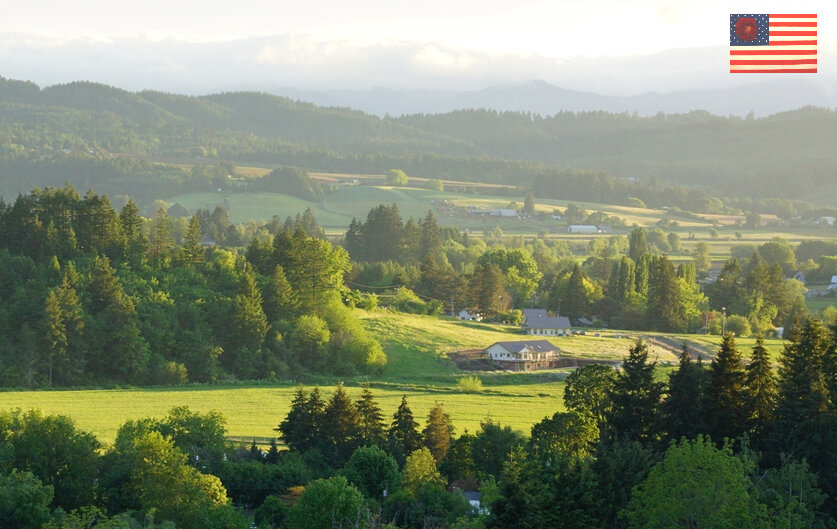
469	316
523	355
583	228
538	322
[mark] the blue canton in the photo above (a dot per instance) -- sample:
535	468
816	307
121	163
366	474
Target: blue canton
762	37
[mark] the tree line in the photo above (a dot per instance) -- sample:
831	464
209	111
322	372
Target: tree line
89	295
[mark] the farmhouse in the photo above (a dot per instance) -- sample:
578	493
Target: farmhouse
538	322
523	355
465	315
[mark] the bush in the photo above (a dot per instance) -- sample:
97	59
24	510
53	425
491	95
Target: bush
738	325
469	384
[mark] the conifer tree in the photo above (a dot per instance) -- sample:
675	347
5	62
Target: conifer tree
371	418
341	426
160	241
438	433
724	398
682	409
802	390
301	429
575	304
248	327
664	311
637	245
635	398
280	300
403	433
760	390
192	249
135	243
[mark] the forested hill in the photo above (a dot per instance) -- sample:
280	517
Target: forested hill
785	155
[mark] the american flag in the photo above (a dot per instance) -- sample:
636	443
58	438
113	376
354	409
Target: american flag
764	43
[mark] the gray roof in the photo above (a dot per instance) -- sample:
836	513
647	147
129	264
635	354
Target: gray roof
535	345
538	319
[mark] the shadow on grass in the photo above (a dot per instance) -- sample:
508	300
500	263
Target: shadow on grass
488	327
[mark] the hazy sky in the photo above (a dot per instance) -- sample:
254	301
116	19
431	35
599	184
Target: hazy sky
186	45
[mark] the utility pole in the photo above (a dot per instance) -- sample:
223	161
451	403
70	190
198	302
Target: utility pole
724	321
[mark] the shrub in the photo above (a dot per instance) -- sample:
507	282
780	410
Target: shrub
469	384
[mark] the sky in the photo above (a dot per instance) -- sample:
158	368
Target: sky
607	46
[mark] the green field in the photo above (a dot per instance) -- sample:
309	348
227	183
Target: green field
418	367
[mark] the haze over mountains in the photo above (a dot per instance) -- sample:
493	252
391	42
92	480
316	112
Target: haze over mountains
540	97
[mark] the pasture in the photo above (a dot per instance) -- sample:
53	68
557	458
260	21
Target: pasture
418	368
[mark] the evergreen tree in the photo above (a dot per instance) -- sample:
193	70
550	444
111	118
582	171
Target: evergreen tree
247	329
341	426
636	398
637	244
724	398
641	272
664	311
487	285
160	241
280	300
438	433
529	204
64	324
802	390
682	409
192	250
760	391
135	241
403	434
302	428
575	304
371	418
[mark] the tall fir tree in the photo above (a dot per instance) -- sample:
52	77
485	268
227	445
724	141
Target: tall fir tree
302	428
341	426
135	245
438	433
403	434
725	398
280	300
682	410
371	418
760	385
635	398
664	312
575	303
192	249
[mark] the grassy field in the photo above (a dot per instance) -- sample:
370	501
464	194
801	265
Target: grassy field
418	367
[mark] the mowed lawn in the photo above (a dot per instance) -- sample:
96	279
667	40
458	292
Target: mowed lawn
256	410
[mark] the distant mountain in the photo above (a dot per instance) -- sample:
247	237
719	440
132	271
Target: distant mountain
546	99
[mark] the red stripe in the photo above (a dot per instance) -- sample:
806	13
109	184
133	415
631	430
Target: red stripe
793	24
786	63
794	43
794	16
774	52
793	33
802	70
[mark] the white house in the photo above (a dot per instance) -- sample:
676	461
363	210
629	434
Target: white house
523	355
538	322
465	315
583	228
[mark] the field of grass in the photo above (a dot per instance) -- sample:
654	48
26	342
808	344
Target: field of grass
418	368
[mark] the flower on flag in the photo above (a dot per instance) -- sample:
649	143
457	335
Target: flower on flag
766	43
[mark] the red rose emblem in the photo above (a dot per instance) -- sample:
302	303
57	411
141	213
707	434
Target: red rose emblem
746	28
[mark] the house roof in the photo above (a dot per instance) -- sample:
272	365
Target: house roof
538	319
535	345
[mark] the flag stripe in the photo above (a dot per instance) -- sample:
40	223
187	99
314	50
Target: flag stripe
793	33
778	63
812	43
773	52
793	24
776	70
793	16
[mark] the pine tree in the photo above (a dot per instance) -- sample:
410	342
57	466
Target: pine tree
575	304
724	398
664	310
438	433
135	243
636	398
760	390
403	434
302	428
160	241
487	284
341	426
802	390
280	299
371	418
430	238
248	326
683	407
192	250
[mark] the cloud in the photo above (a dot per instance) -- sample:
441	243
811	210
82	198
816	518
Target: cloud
306	62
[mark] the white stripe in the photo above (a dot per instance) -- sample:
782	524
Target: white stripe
774	48
772	66
780	19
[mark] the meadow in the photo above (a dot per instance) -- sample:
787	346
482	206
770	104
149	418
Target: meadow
418	367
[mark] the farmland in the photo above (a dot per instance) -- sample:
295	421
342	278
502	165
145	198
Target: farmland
418	368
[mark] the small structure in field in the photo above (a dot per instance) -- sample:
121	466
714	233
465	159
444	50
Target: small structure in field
523	355
538	322
583	228
469	316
